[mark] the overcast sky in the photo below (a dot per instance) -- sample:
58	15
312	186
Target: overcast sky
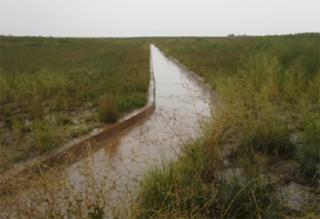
129	18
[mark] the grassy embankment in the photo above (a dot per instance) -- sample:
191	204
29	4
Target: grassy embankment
55	89
264	136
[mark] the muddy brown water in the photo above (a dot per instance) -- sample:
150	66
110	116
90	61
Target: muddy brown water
181	107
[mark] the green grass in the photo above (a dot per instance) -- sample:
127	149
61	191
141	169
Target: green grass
264	134
52	86
267	127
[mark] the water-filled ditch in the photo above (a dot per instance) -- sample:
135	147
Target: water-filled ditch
181	107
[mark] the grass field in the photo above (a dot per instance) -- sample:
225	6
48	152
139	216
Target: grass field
264	136
56	89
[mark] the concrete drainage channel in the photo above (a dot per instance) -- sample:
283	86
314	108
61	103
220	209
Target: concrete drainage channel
135	144
182	105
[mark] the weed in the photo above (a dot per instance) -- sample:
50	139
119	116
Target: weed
108	109
96	212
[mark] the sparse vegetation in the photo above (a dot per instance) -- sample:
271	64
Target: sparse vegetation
52	195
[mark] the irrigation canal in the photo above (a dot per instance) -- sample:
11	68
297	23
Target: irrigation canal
181	105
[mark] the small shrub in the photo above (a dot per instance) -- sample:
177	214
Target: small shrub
182	189
96	212
108	108
47	136
308	154
272	138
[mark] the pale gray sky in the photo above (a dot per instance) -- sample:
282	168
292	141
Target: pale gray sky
127	18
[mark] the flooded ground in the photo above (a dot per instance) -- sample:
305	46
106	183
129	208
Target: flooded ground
115	169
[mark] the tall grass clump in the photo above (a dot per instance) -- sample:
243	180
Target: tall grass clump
195	186
108	109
